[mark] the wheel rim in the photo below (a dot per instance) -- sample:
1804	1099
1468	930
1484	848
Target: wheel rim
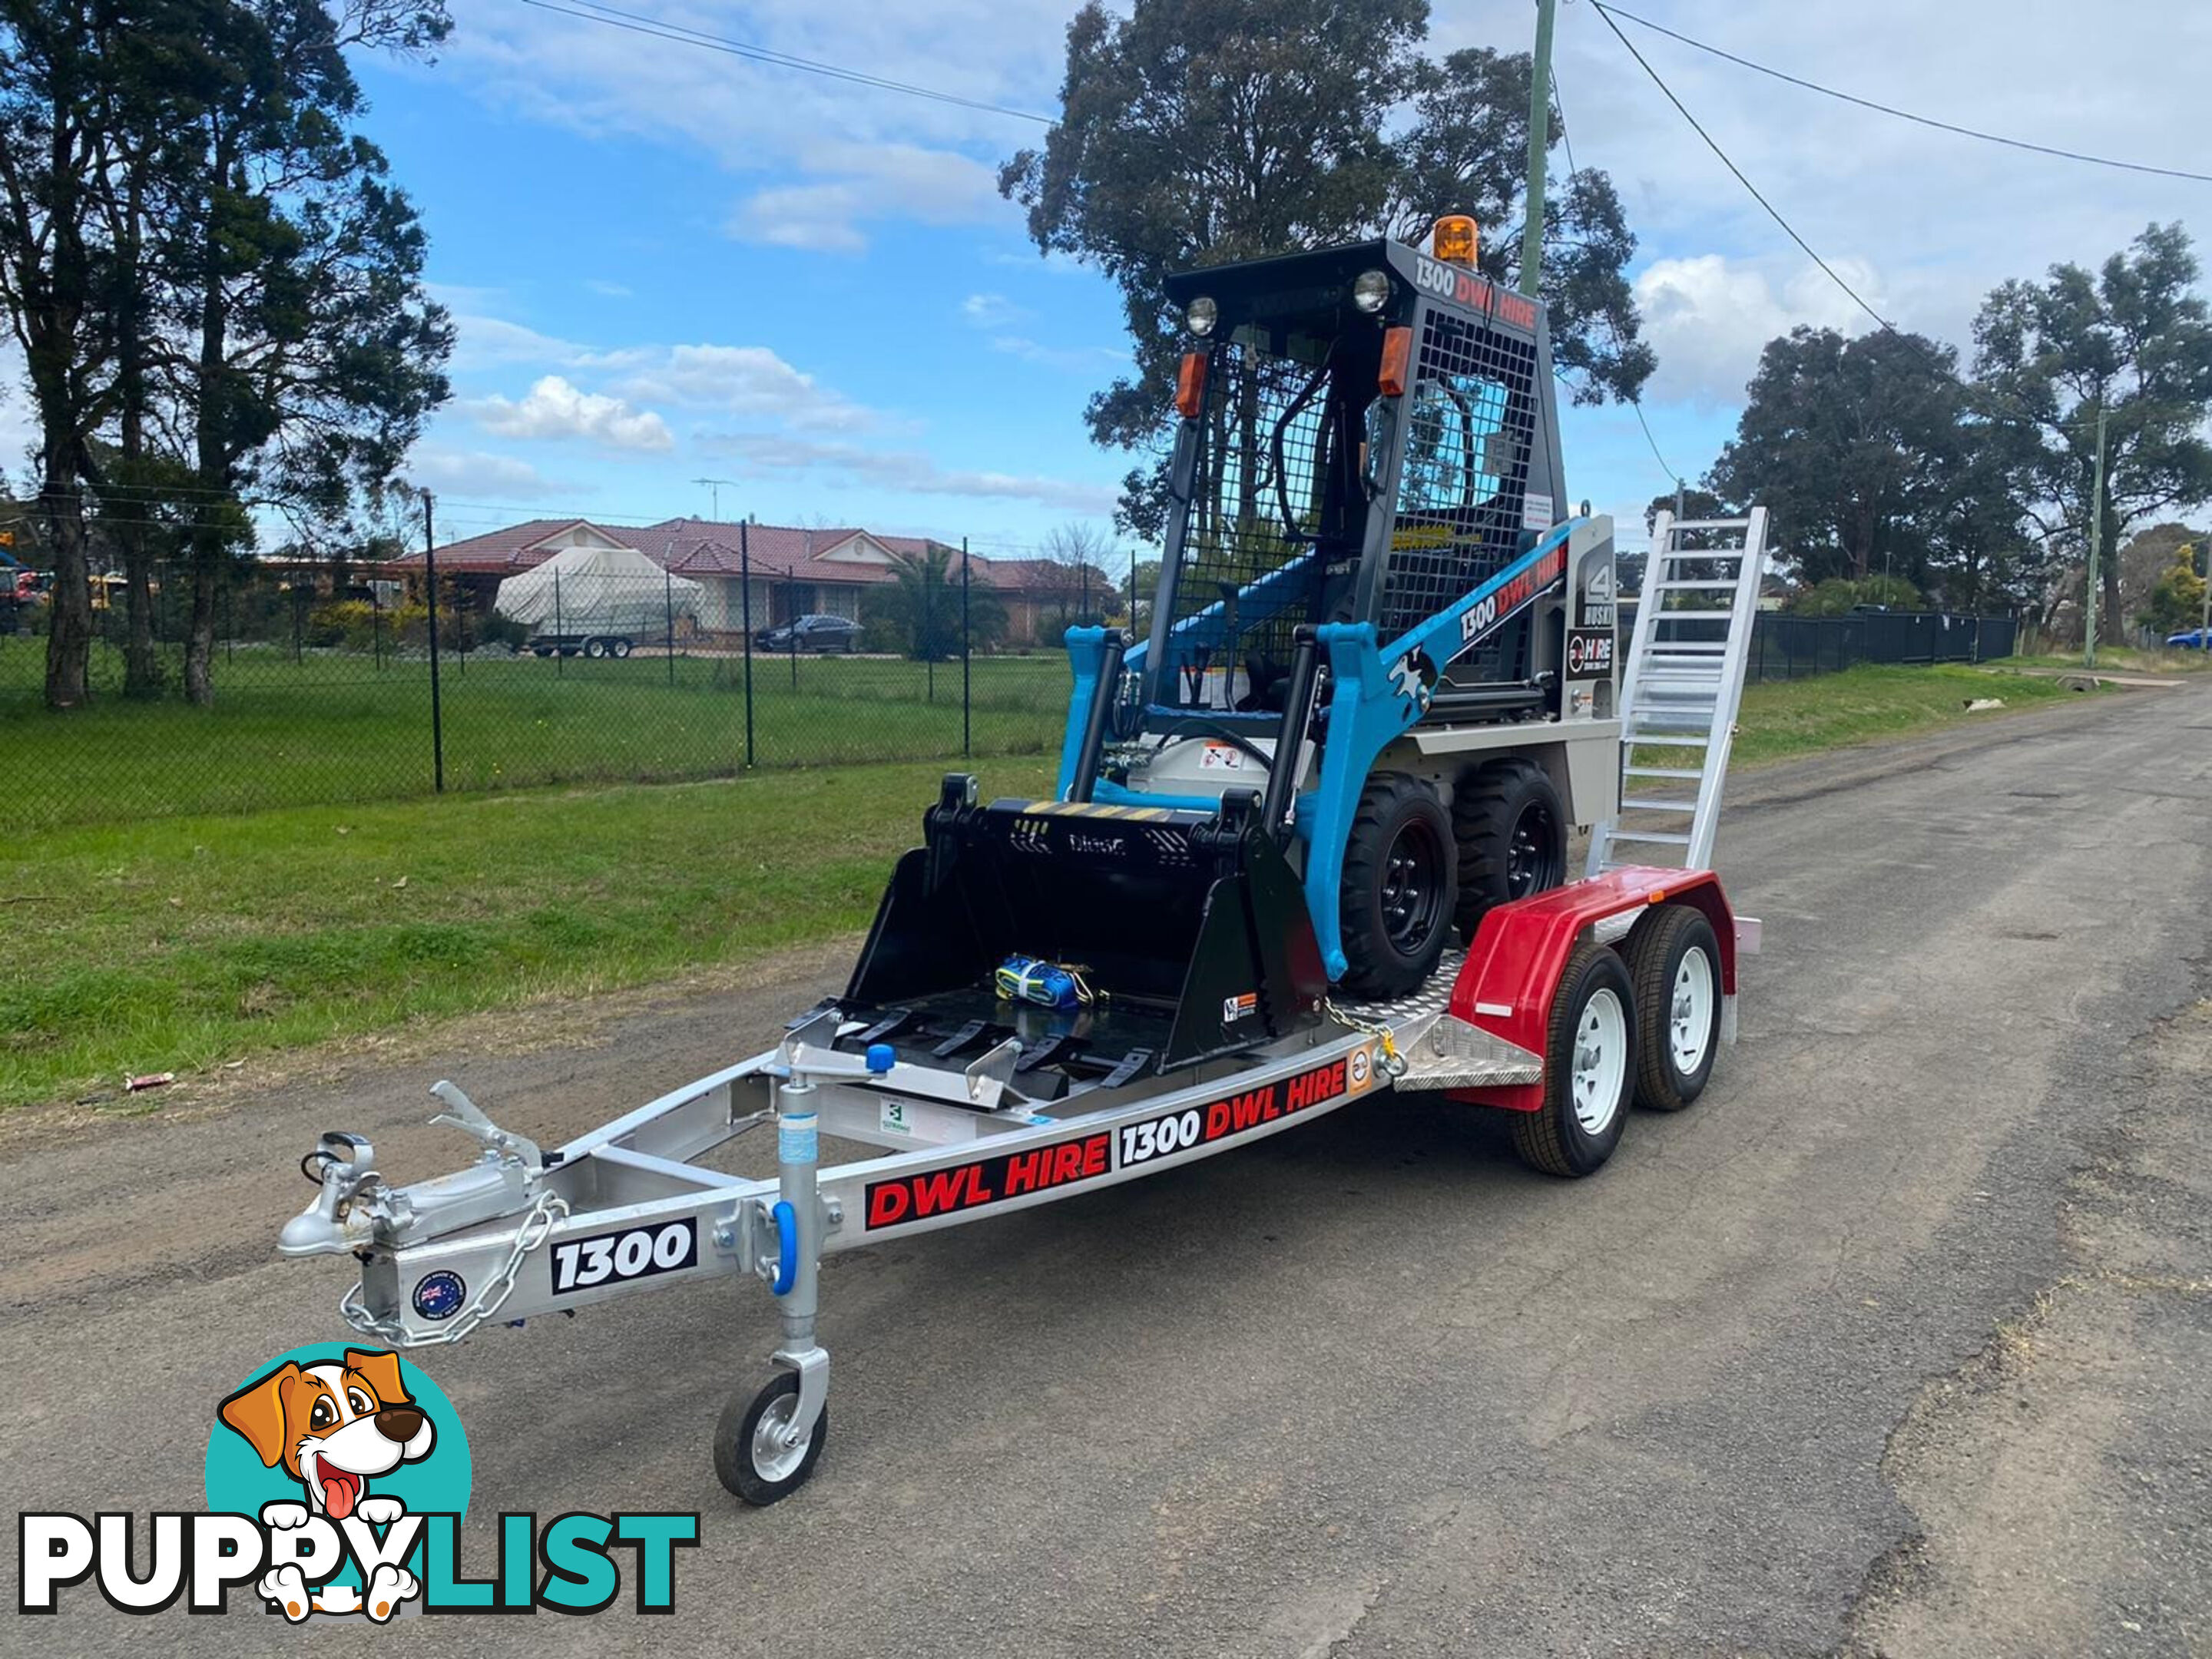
1411	896
772	1461
1532	854
1600	1061
1690	1012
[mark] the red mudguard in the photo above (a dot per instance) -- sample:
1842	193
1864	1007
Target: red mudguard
1512	969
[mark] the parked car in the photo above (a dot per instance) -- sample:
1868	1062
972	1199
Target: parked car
810	634
2189	639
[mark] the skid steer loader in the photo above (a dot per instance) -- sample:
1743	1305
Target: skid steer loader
1378	685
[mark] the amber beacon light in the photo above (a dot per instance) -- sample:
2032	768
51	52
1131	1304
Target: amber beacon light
1453	241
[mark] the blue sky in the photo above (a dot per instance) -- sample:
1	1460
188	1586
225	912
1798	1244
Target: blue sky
670	264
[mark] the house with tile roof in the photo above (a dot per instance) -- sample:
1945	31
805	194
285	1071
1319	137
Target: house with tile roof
795	571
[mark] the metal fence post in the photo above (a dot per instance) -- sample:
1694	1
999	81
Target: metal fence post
559	651
437	710
928	640
376	625
967	650
668	609
745	612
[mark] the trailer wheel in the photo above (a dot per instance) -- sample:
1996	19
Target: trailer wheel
1589	1067
1512	836
750	1455
595	648
620	648
1396	902
1674	961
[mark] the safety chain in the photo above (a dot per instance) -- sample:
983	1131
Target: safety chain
1393	1061
536	1226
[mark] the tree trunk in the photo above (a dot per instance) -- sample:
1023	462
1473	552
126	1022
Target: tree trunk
142	661
69	636
211	465
209	541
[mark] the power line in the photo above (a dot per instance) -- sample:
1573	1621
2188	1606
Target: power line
659	29
1927	351
1611	12
1772	212
1639	407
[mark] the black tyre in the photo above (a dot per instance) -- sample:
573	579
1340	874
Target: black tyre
619	648
1512	836
749	1459
541	650
595	648
1589	1068
1395	902
1674	964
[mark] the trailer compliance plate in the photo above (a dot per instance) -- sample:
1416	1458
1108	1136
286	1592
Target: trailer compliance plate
983	1181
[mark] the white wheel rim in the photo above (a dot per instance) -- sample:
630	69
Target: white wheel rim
772	1461
1600	1061
1690	1011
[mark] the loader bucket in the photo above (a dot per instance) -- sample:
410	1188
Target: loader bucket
1191	926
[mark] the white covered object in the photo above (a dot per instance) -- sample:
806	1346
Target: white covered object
597	590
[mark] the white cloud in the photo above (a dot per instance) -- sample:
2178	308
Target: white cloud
997	314
908	470
748	380
486	342
891	156
480	476
1073	360
991	310
609	290
1708	317
867	183
553	408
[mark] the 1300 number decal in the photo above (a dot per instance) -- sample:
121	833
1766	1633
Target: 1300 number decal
1157	1137
578	1264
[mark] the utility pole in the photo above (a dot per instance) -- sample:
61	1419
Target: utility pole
1540	142
714	493
2096	549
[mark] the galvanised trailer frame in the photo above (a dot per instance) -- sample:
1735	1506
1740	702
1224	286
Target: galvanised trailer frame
626	1207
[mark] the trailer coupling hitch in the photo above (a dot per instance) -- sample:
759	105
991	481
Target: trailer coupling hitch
355	1209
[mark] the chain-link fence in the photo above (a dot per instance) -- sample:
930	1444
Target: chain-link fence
326	691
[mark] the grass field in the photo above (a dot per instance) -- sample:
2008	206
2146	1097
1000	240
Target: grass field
2122	658
182	942
337	728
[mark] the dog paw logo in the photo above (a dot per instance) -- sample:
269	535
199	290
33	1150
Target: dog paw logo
342	1453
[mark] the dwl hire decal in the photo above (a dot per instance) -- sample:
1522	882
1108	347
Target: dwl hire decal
336	1480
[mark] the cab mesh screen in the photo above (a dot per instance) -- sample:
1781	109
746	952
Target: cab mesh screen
1470	418
1255	502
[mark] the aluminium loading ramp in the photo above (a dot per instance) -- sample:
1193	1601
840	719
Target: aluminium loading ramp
1681	686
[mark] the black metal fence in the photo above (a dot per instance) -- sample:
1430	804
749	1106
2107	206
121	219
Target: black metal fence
1788	648
322	697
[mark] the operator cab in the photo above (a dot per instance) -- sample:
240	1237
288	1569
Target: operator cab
1365	438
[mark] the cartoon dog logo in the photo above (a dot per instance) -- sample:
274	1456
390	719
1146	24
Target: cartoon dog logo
333	1428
